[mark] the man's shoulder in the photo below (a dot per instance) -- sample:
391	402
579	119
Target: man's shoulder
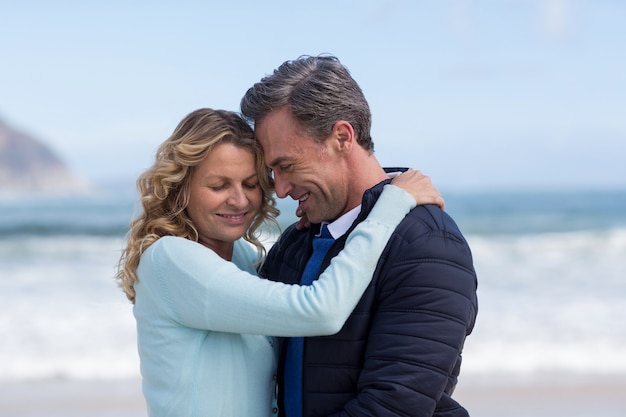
429	218
428	232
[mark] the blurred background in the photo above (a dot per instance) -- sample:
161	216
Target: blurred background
514	108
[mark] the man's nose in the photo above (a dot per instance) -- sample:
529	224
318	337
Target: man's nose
282	187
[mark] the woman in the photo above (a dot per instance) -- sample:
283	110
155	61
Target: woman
190	264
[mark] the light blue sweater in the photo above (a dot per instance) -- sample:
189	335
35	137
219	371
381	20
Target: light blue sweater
201	320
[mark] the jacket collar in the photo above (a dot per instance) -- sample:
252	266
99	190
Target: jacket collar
343	225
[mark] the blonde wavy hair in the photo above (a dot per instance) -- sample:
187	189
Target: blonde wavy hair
164	187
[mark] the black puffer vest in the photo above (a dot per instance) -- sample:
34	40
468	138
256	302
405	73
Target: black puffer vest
399	353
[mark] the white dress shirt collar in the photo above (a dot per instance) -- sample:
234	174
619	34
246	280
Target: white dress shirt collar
340	226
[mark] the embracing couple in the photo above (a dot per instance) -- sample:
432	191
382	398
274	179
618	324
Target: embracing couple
365	303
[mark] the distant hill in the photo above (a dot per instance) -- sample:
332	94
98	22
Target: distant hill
28	166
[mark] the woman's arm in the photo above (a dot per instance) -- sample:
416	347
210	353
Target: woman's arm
201	290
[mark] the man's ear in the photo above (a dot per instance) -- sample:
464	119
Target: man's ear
343	133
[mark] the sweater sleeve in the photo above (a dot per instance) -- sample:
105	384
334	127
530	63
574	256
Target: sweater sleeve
200	290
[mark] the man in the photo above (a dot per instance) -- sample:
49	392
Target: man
399	354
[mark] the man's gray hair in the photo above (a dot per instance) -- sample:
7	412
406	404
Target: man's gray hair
318	91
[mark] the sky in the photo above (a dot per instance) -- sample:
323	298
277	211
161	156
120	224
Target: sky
480	95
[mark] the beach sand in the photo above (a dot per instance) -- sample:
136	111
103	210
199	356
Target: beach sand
483	396
72	398
543	395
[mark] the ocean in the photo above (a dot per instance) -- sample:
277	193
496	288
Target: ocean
551	269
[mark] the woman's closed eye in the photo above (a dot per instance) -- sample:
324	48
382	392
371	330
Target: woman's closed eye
251	185
218	187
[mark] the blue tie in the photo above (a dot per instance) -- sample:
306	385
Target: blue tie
295	345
